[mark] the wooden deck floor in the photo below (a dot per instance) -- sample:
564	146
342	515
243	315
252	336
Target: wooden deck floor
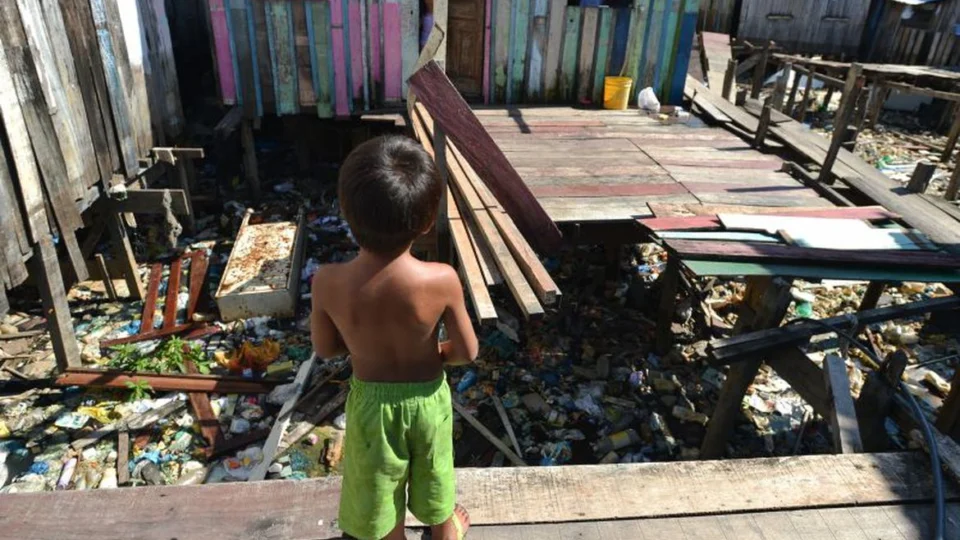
597	165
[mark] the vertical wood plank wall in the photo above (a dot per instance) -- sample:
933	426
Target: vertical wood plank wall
360	52
896	42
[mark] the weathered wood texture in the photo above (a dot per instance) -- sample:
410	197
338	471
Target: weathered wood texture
815	27
928	37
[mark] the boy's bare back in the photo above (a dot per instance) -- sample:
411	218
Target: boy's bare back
386	313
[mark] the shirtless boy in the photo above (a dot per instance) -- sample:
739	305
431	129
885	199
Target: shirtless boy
384	308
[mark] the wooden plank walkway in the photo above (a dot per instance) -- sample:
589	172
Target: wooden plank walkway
605	166
769	489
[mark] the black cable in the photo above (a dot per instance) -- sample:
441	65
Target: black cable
939	500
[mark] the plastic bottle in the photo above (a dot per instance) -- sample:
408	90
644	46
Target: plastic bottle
469	379
66	474
621	439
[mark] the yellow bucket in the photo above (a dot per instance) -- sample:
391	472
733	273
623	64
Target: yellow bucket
616	92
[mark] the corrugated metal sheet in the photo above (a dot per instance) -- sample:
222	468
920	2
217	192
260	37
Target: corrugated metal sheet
811	27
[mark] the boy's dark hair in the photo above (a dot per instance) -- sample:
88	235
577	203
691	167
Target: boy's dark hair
389	193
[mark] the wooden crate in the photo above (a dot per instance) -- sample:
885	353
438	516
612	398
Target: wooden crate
262	276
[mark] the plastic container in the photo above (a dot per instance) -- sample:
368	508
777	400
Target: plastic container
617	441
616	92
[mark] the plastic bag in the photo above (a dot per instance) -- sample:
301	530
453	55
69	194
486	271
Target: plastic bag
647	100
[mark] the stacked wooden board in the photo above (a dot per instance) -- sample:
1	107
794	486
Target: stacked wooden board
341	57
488	245
86	89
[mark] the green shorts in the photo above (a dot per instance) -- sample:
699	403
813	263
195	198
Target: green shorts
397	434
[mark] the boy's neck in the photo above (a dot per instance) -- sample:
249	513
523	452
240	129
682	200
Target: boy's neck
381	259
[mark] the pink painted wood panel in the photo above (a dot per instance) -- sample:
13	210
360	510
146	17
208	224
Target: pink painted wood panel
221	41
356	42
608	190
486	51
340	67
393	62
375	28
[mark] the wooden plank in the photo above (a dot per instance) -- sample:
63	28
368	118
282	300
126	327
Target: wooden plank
687	25
150	302
283	56
453	115
16	243
487	50
488	266
520	29
165	382
283	418
713	222
668	48
737	251
246	61
851	93
501	50
150	201
392	58
138	115
133	70
568	64
375	60
843	417
410	38
341	63
261	42
173	291
308	508
652	43
476	424
357	53
55	307
604	44
223	56
637	38
321	55
109	61
538	48
588	44
166	70
555	40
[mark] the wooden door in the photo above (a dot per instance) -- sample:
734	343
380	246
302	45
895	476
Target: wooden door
465	46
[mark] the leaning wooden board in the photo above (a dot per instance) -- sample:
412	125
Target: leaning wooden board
454	116
308	508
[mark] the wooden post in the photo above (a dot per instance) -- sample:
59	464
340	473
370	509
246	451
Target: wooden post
801	111
763	124
123	251
774	299
443	224
760	71
862	111
850	95
952	137
123	457
920	179
781	89
668	303
55	307
876	403
105	274
828	98
794	88
190	224
843	416
877	100
250	172
849	139
951	193
729	81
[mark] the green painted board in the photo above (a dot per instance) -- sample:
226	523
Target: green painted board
633	58
863	273
283	53
571	42
319	19
668	52
501	47
651	47
604	43
518	55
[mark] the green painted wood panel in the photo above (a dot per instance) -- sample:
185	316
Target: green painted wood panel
518	51
604	43
571	43
318	19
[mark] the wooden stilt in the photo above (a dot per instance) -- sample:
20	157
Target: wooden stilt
877	100
801	111
828	98
768	311
951	193
730	80
876	403
668	303
781	88
189	221
250	172
123	252
922	174
760	71
952	137
763	124
55	307
105	274
792	99
850	95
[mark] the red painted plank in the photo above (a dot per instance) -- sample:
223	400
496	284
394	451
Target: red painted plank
769	253
797	190
150	304
198	271
454	116
607	190
712	222
710	162
173	290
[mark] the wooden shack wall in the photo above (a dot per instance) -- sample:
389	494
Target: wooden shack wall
811	27
896	41
87	87
720	16
342	57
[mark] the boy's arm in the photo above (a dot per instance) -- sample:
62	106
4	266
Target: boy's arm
327	342
461	346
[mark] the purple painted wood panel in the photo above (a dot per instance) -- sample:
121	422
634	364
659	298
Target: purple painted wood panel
393	63
340	66
221	40
376	75
486	51
356	42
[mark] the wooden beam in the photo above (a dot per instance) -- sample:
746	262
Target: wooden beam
843	416
123	252
953	186
952	137
250	171
172	154
724	351
729	80
871	213
920	179
452	113
876	402
150	201
173	292
763	125
165	382
494	440
55	307
806	378
107	280
851	92
928	92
